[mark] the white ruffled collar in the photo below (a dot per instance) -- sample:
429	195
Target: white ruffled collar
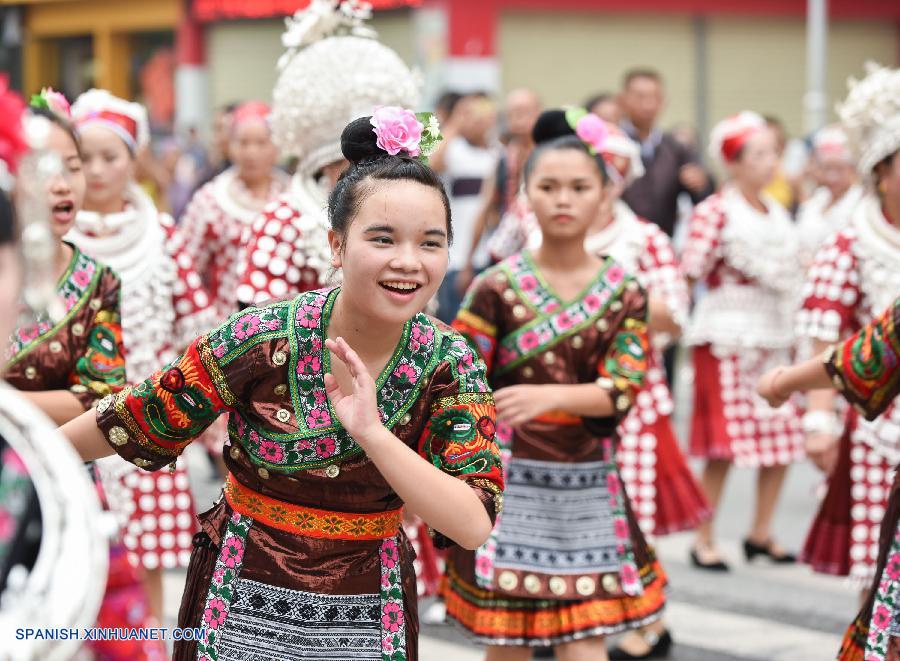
232	195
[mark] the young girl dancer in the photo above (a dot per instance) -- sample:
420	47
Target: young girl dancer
743	246
304	556
163	308
64	365
564	336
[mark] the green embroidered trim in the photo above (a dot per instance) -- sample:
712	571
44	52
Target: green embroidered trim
65	287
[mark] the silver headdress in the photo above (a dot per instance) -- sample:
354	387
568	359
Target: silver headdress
334	71
871	116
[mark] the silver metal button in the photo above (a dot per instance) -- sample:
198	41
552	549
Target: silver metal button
118	436
283	415
77	329
55	346
333	470
279	358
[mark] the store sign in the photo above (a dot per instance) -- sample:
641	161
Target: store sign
224	10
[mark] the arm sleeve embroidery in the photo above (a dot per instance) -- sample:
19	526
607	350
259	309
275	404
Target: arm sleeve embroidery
101	370
149	424
459	436
623	367
864	367
477	320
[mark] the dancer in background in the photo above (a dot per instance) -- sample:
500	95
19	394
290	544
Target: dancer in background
163	307
743	247
831	205
863	369
65	364
854	276
564	336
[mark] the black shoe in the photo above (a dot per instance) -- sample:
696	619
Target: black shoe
751	550
543	653
718	565
660	646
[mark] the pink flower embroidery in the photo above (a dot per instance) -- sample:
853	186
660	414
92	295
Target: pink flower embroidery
325	447
387	644
319	397
392	617
271	451
881	617
465	363
219	576
318	418
527	282
219	350
308	365
612	483
245	327
397	129
216	612
232	552
272	324
7	527
235	517
81	278
615	274
591	303
483	564
592	130
564	321
629	575
315	343
28	333
405	373
621	529
308	316
892	568
528	341
422	334
389	554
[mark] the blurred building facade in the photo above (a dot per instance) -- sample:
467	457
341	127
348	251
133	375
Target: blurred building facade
716	56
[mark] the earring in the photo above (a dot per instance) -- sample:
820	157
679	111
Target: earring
882	187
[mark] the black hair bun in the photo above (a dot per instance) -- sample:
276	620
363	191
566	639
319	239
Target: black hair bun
358	141
550	125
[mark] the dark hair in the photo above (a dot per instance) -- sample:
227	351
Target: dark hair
8	232
552	132
369	163
447	101
61	122
600	97
640	72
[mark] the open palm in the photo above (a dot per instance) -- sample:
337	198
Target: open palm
357	410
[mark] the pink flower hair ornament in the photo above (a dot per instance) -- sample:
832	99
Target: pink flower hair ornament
589	128
400	130
53	101
12	135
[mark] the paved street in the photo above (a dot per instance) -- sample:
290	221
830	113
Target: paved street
758	612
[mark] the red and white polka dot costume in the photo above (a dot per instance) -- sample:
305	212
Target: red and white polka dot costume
741	327
209	236
664	493
854	276
162	307
287	250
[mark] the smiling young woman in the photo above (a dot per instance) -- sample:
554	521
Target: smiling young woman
328	442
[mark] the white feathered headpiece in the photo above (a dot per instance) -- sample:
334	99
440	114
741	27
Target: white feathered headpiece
334	71
871	116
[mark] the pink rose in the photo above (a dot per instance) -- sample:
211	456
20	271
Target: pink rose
621	529
629	574
615	274
592	130
232	552
216	612
397	130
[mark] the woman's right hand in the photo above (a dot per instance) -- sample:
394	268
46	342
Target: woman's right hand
822	450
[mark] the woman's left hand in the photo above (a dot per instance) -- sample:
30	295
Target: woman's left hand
766	387
518	404
357	410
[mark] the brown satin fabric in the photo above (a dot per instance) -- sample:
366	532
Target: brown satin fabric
53	370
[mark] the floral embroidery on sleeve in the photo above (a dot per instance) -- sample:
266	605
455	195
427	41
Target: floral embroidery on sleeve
100	370
623	367
864	367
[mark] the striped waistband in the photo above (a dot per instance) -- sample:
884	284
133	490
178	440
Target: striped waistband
309	521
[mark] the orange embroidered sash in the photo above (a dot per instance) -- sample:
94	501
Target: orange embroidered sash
308	521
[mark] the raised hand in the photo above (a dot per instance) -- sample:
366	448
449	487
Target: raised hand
357	410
